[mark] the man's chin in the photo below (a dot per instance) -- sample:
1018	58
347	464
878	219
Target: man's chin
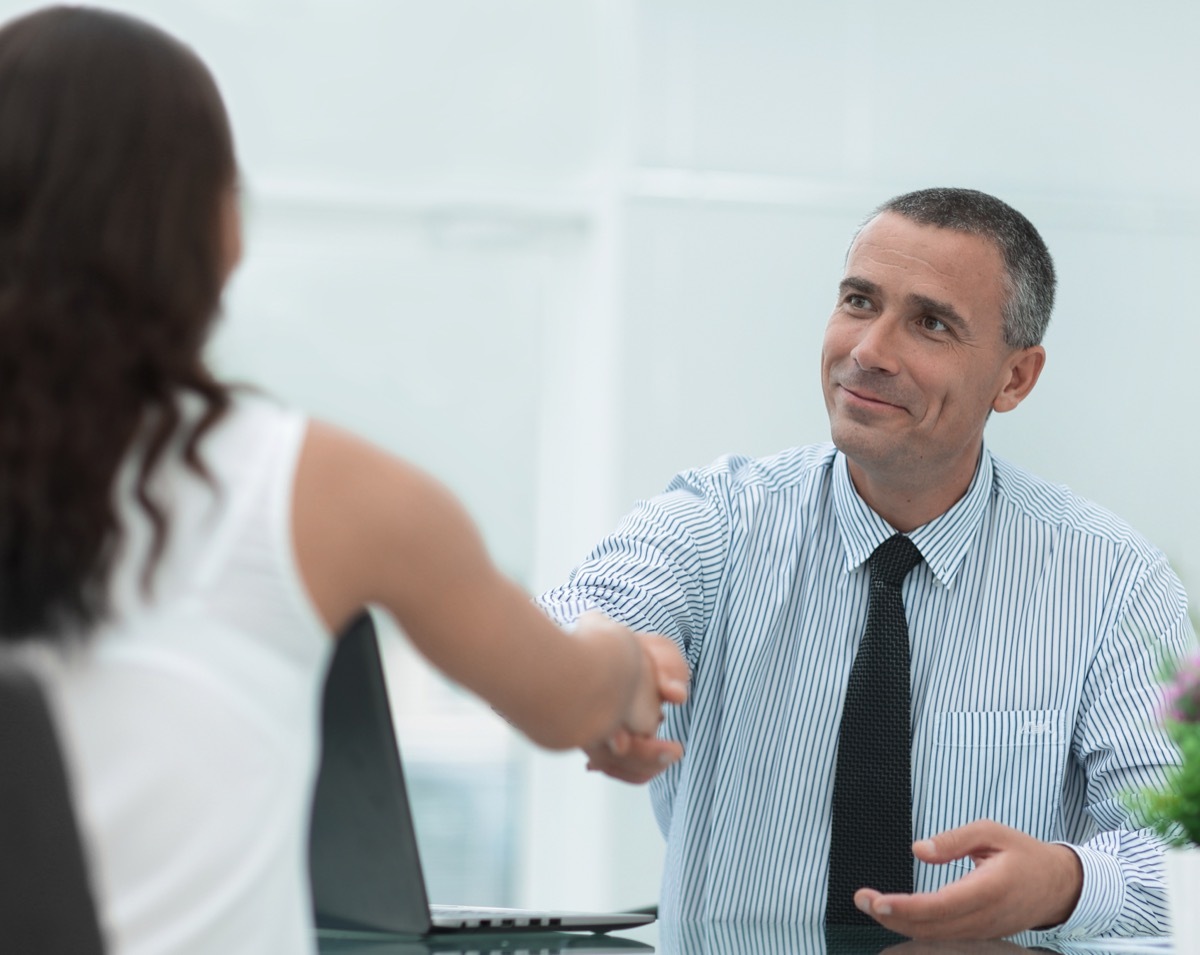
859	440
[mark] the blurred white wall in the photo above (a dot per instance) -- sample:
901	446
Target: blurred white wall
555	251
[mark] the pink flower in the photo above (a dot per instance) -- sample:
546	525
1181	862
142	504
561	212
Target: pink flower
1181	697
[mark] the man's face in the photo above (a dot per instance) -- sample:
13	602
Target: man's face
914	355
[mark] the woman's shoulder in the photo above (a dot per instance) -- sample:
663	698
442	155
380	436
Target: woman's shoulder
255	429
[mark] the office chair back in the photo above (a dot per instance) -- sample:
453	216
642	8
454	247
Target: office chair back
46	903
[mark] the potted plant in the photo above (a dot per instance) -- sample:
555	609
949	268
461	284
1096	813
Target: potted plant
1173	810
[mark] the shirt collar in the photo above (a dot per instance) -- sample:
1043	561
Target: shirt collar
943	542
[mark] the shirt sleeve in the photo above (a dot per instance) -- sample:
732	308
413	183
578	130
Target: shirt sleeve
660	570
1121	744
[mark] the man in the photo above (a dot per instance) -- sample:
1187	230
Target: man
1036	623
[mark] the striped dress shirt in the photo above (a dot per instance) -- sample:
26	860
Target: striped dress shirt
1038	623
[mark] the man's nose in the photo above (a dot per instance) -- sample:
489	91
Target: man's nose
878	348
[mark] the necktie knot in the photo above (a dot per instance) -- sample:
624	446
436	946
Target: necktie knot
893	559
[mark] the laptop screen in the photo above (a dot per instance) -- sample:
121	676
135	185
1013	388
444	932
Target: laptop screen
363	860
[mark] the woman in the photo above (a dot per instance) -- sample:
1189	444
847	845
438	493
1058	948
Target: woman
180	552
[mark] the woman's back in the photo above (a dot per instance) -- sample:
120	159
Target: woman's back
189	720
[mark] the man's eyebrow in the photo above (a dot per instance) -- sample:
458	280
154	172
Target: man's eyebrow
852	283
940	310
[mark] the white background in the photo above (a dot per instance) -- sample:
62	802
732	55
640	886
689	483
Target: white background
556	250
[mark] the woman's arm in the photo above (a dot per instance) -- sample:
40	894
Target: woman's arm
369	528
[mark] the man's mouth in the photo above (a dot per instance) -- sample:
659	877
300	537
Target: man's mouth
866	397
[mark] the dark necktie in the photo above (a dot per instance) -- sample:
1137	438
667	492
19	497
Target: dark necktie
871	843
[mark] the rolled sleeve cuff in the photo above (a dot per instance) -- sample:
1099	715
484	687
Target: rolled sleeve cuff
564	611
1101	899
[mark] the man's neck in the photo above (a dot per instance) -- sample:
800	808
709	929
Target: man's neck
907	503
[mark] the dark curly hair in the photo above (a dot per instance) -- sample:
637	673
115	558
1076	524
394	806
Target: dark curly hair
116	161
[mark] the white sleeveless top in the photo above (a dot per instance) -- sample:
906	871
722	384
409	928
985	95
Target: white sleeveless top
190	722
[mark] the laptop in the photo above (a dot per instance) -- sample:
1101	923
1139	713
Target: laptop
363	861
469	943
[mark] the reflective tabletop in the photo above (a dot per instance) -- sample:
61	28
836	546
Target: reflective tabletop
720	939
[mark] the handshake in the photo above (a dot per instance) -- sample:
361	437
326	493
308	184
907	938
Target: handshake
633	753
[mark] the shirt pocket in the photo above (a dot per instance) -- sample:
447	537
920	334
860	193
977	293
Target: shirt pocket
1004	765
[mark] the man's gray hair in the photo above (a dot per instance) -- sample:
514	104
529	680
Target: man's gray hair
1028	266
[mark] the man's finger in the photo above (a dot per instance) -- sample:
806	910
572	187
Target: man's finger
619	743
670	667
890	917
967	947
970	894
959	843
645	758
621	774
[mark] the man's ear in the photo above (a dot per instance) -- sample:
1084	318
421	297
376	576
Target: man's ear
1024	369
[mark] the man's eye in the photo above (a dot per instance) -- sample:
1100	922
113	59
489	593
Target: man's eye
858	301
931	324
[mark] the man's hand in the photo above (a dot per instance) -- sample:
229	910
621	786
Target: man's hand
666	681
959	947
633	759
639	758
1018	883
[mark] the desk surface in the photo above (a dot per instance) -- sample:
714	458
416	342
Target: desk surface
713	939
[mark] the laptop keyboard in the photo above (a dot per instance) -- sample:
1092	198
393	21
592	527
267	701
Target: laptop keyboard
466	916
